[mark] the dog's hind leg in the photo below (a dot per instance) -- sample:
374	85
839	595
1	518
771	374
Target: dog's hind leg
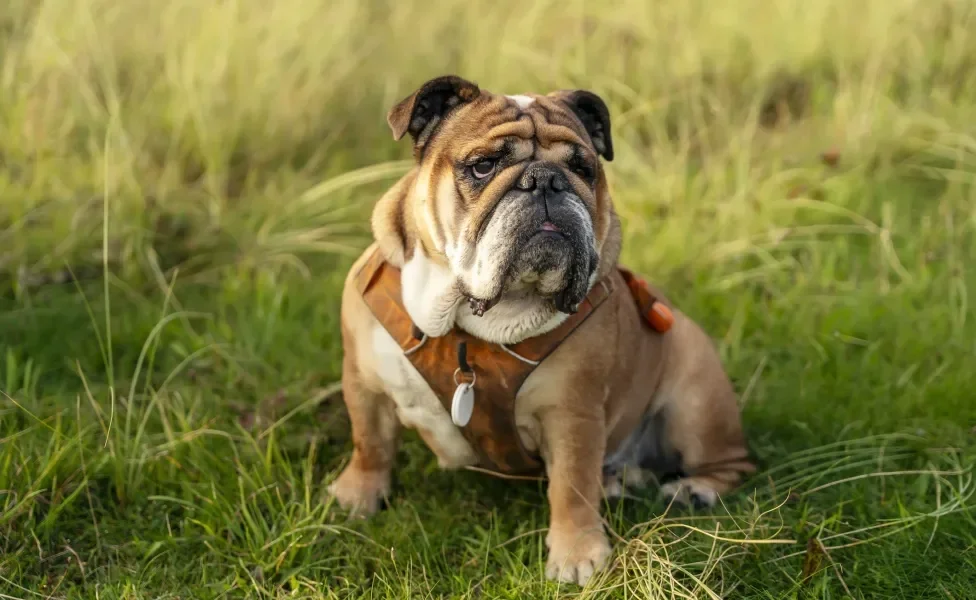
697	436
701	428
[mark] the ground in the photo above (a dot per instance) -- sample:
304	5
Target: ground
183	184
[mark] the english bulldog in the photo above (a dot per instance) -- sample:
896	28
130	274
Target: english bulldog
501	229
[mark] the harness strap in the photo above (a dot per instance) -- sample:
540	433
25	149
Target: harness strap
655	312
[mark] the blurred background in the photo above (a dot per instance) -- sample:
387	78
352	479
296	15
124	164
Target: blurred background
183	185
220	115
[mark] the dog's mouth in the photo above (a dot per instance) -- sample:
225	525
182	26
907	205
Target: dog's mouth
549	229
479	306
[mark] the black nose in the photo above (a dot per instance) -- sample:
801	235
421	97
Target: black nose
543	179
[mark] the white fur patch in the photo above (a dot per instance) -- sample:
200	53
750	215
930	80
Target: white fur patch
510	321
523	102
430	294
417	405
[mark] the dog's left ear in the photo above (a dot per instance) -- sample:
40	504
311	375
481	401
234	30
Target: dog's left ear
421	112
592	111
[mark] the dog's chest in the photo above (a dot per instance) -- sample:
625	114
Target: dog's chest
417	405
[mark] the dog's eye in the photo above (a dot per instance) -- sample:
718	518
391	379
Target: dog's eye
483	168
581	168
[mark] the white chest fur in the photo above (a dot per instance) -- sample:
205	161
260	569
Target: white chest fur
417	405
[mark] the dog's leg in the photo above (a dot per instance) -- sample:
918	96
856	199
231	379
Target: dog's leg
696	431
577	543
703	429
365	481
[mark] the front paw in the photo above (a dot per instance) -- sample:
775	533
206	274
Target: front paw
360	492
576	554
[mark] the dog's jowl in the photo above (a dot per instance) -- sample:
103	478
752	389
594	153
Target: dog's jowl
495	267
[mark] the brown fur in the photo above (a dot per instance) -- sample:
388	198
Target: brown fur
583	402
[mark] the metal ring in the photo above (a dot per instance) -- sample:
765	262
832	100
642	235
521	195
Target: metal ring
474	377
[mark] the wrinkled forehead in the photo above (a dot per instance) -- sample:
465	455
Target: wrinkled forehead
493	121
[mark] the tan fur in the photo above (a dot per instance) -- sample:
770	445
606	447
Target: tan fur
583	401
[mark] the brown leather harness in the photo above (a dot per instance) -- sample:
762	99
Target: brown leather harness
444	362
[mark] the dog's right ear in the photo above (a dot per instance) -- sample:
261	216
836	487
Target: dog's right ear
421	112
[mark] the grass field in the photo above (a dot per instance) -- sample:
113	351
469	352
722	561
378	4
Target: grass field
184	183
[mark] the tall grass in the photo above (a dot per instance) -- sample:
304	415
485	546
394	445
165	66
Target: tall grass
174	111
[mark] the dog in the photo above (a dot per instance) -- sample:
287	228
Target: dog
502	234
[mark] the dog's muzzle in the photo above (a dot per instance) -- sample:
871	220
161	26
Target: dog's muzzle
544	233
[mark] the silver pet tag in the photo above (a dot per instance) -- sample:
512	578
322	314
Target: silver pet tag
463	404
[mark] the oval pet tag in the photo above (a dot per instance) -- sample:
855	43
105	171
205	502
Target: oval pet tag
463	404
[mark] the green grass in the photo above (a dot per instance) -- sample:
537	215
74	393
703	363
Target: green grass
183	184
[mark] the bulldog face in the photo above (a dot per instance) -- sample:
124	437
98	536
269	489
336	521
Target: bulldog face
509	195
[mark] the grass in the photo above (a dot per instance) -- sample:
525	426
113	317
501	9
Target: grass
183	184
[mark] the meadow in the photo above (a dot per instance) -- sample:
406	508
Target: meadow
183	185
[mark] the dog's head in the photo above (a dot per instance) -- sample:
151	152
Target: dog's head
508	197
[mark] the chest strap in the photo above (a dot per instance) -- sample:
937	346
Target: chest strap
500	369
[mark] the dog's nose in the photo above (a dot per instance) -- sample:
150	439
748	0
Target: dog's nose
543	179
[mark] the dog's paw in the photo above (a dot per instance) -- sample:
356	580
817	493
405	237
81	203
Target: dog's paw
689	491
574	556
360	492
